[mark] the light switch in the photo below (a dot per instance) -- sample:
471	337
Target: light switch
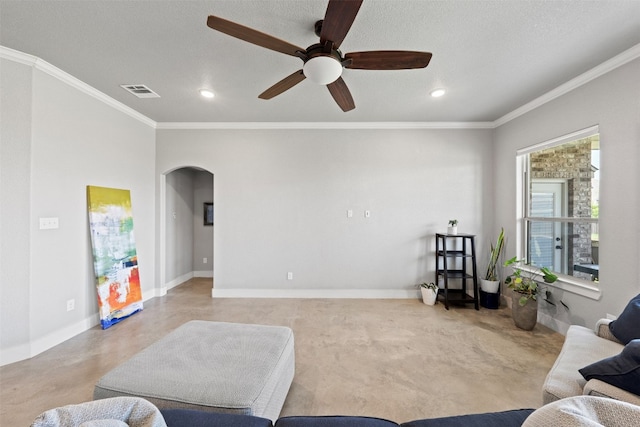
48	223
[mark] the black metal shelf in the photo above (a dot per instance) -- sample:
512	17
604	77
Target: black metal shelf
455	274
454	254
463	272
457	296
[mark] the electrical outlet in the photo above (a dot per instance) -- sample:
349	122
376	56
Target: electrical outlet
290	276
71	304
204	260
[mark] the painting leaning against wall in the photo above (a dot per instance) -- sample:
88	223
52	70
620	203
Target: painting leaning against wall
115	259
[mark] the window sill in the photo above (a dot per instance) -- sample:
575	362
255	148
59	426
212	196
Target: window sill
578	287
570	284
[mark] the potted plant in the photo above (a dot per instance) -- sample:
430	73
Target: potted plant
524	283
490	282
453	226
429	293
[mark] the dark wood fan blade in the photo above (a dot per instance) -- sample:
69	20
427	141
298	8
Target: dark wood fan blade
338	20
252	36
341	94
284	84
387	60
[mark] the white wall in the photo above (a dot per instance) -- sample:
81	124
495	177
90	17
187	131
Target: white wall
202	234
179	214
612	102
281	200
15	182
71	140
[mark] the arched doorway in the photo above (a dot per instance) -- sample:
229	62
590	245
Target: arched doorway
187	222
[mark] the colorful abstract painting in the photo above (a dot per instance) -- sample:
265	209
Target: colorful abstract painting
115	259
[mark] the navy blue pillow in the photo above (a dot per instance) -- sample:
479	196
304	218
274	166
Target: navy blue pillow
622	371
627	327
333	421
195	418
513	418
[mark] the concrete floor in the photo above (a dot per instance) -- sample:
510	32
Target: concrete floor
395	359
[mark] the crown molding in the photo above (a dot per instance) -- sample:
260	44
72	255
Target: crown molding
17	56
44	66
324	125
584	78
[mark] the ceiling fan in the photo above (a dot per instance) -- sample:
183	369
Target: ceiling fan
323	62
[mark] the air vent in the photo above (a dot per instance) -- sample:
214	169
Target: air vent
141	91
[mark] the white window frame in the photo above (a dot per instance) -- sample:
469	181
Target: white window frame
565	282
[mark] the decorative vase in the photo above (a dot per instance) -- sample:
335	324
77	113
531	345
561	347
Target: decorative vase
452	229
524	316
490	286
429	296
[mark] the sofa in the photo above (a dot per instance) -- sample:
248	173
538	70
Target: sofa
583	347
604	362
137	412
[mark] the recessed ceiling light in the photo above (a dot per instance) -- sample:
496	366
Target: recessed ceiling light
437	93
206	93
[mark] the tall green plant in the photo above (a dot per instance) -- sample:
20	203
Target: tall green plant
492	272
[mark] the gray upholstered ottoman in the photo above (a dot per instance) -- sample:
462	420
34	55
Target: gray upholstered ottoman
210	366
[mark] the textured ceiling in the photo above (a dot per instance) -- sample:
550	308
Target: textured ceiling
491	56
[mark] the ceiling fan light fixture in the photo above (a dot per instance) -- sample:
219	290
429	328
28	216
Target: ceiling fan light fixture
206	93
437	93
322	69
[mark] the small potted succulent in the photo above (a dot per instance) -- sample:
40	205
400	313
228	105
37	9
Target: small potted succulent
453	226
429	293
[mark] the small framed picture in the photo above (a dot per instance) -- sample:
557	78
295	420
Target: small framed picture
208	214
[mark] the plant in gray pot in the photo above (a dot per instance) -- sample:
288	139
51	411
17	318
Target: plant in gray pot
523	282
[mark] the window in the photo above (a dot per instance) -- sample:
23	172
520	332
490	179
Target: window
560	206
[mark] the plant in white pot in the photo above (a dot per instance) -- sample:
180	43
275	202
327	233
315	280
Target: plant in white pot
429	293
453	226
491	282
523	282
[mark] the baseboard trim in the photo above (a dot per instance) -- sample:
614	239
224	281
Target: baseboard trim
316	293
42	344
178	280
54	338
15	354
552	323
203	273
